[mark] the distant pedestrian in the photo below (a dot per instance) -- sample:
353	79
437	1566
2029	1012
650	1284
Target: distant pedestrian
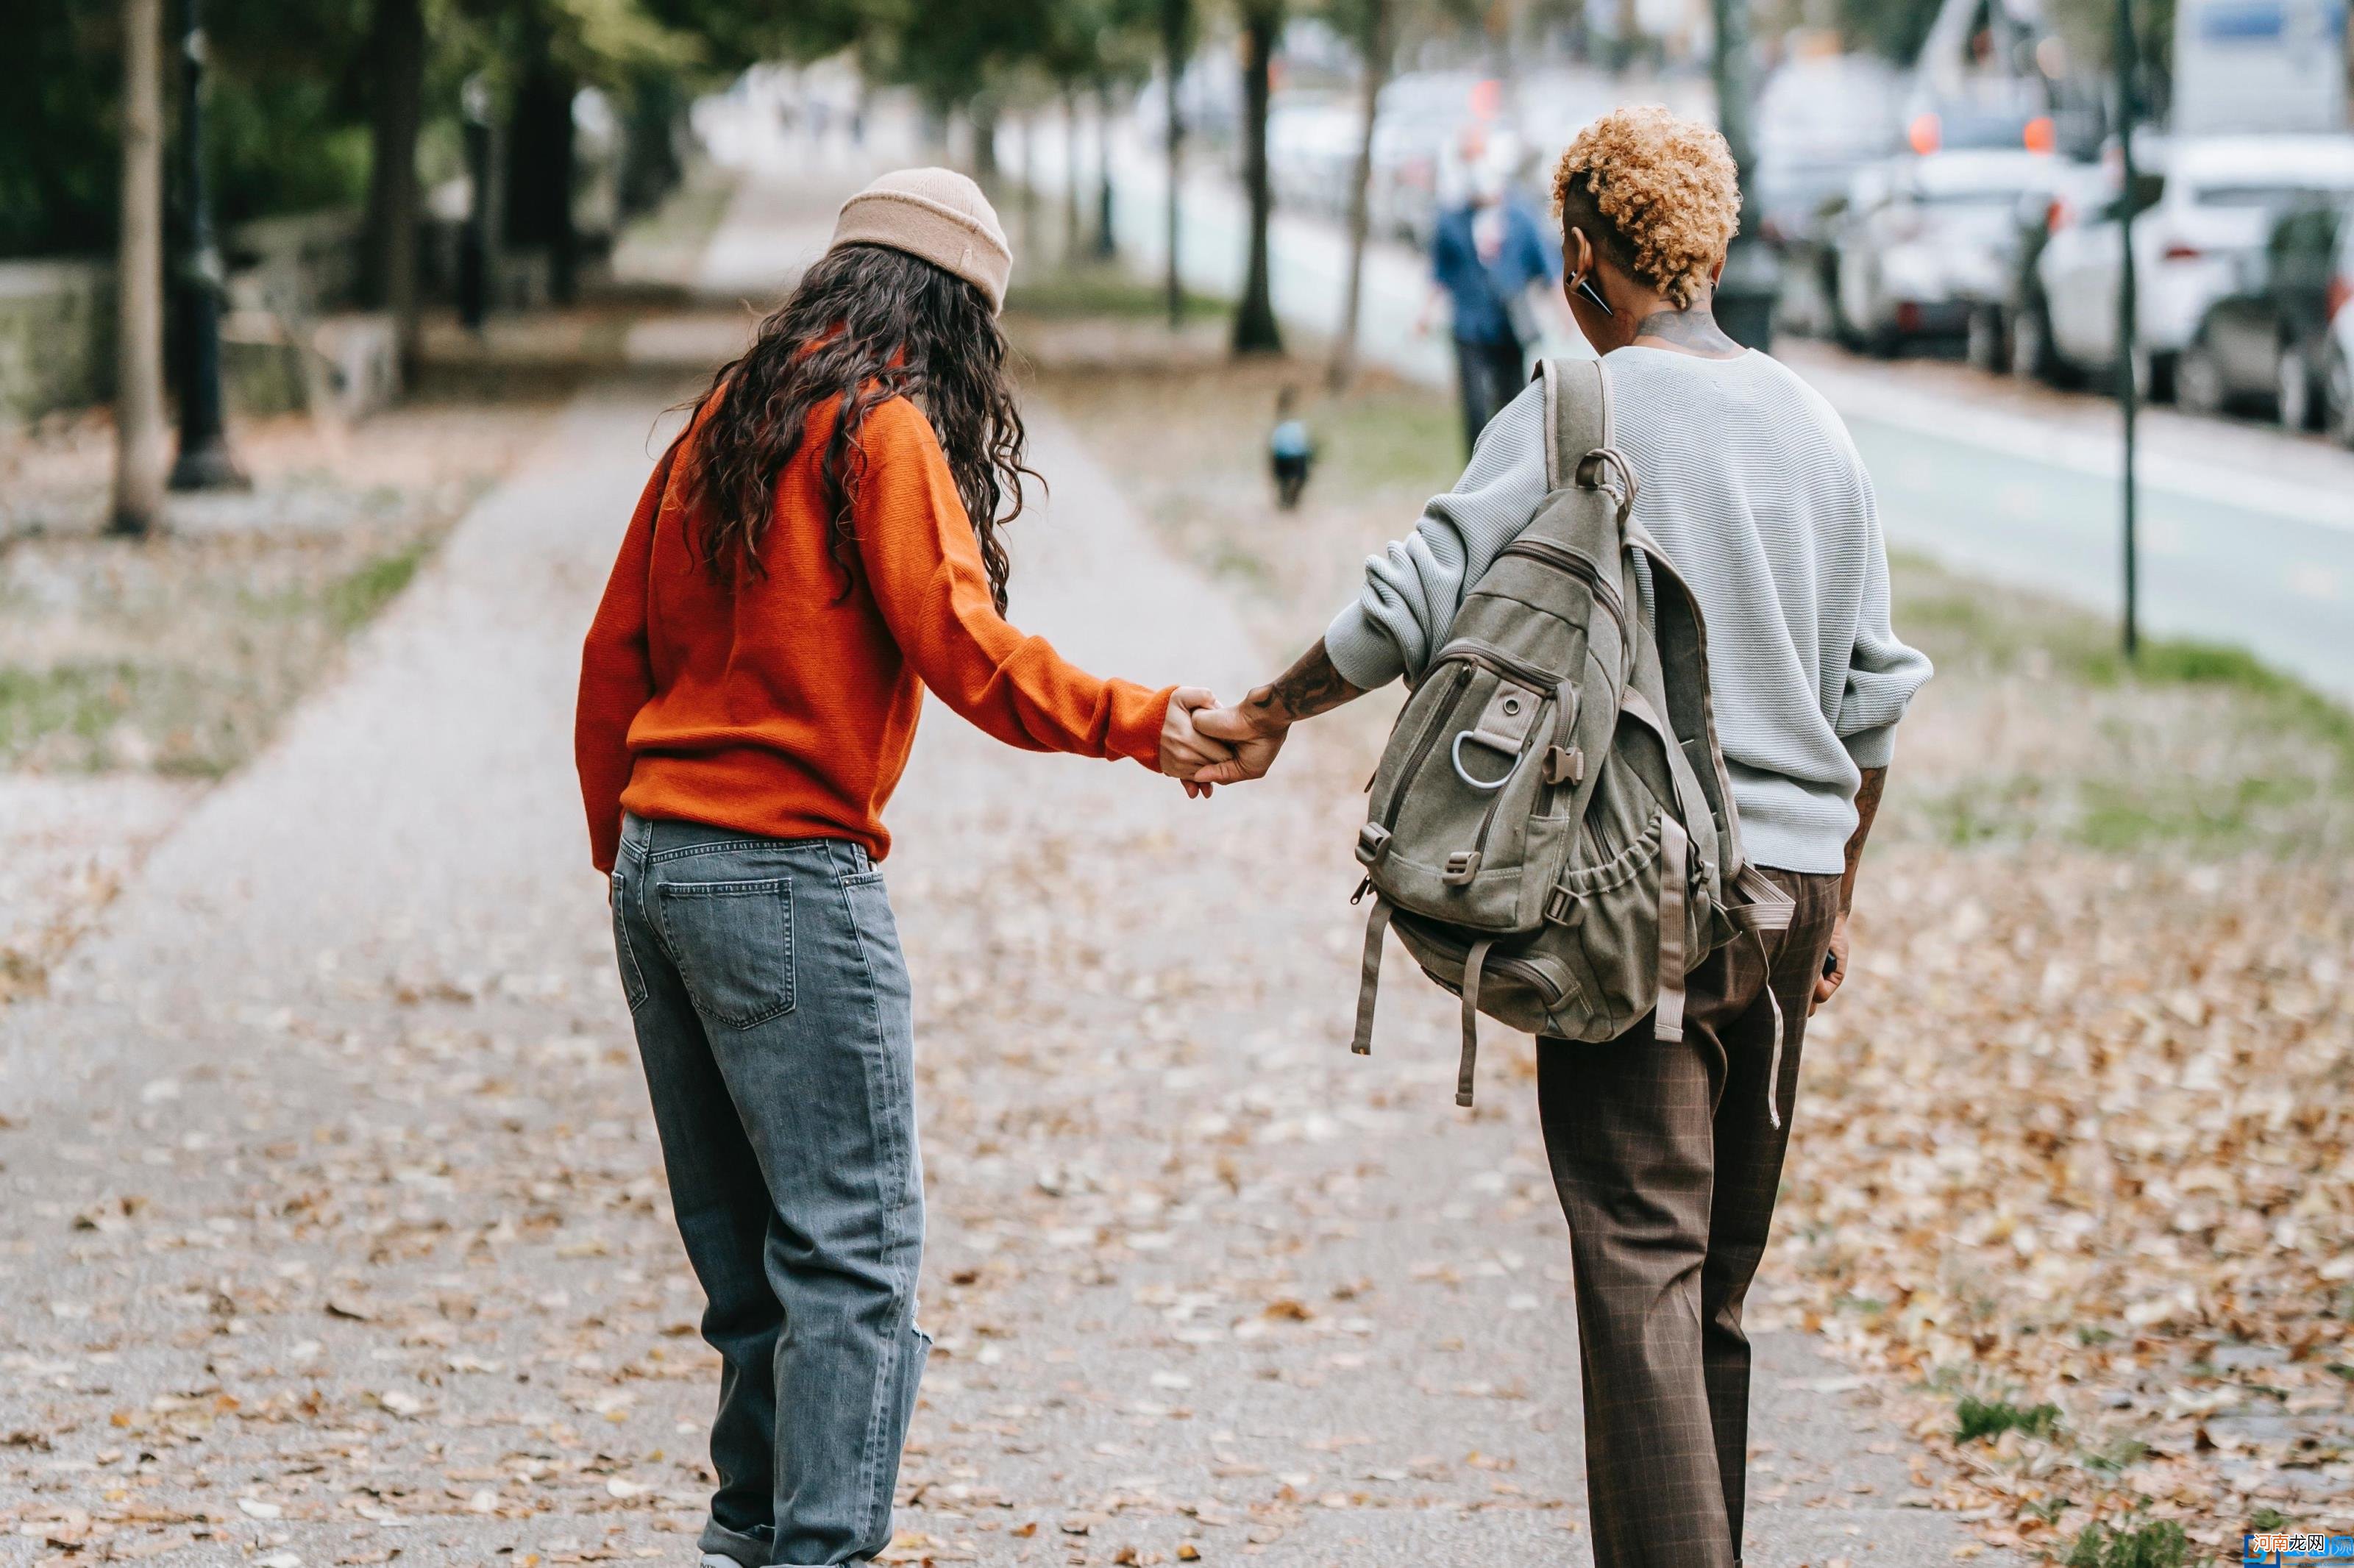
1485	256
819	547
1291	451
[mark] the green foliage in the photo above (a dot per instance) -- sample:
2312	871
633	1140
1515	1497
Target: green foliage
2159	1544
290	90
81	699
283	144
353	601
2280	771
2119	1456
1893	28
1073	293
65	86
2268	1518
732	34
1975	1418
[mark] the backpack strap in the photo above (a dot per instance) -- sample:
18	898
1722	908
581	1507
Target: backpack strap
1758	904
1679	645
1377	925
1577	416
1475	964
1691	803
1781	1033
1674	868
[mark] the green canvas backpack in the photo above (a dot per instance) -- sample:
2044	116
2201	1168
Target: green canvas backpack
1551	833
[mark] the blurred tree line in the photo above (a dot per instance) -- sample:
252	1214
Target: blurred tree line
295	91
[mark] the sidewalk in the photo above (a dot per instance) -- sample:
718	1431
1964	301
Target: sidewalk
335	1226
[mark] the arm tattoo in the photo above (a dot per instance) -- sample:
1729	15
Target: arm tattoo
1309	687
1693	327
1867	807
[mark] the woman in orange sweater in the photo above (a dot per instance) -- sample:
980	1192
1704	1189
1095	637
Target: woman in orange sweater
818	548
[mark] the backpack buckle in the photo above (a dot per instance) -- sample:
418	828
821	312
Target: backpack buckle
1562	906
1564	764
1461	867
1373	842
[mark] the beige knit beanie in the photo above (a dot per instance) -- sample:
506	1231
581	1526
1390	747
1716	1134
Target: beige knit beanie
939	214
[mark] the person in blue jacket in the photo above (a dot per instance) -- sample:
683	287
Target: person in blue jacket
1485	254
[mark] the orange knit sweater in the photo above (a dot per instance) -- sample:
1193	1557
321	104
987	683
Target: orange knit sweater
785	708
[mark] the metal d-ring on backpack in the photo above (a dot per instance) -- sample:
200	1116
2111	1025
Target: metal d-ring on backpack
1551	833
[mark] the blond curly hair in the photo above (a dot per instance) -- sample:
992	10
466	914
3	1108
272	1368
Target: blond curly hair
1664	190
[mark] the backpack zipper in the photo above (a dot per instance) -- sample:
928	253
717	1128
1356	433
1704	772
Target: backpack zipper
1505	963
1539	681
1428	737
1576	565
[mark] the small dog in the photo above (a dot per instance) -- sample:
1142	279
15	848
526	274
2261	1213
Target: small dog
1291	451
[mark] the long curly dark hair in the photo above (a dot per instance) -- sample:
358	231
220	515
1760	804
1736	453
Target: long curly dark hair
866	324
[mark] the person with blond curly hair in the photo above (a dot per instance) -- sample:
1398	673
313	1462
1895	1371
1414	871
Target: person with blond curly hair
1666	1167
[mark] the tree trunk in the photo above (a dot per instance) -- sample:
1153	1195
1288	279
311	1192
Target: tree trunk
1255	328
1175	19
1631	34
1030	183
1106	243
396	47
651	167
983	115
540	170
1376	46
138	506
1072	219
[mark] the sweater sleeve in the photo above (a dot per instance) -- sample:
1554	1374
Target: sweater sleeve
925	569
615	676
1400	618
1882	672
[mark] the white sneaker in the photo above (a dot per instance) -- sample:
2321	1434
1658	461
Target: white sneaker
719	1560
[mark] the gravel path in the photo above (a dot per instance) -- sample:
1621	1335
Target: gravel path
334	1229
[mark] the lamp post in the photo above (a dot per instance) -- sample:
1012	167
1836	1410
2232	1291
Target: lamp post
1176	29
2128	394
474	238
203	461
1745	295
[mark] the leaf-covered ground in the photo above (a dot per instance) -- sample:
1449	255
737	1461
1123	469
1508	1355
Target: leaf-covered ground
134	673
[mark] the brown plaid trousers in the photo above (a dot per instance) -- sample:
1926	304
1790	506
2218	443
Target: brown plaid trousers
1667	1166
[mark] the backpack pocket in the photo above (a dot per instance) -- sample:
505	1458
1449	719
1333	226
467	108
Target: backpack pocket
1525	985
1459	829
1603	916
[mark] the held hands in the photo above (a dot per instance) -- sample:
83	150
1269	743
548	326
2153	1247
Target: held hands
1203	744
1207	745
1185	751
1253	738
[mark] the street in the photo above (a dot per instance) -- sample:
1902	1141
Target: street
2247	533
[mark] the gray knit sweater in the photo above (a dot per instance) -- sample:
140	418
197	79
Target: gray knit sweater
1750	483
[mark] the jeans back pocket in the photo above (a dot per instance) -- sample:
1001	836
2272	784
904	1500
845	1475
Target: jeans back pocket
733	944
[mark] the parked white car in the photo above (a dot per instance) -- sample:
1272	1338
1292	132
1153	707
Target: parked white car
1311	152
1924	240
2335	387
1421	118
2204	207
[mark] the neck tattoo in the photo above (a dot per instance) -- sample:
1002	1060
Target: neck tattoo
1692	327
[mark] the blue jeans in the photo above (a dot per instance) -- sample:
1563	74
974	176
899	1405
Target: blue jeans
770	1001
